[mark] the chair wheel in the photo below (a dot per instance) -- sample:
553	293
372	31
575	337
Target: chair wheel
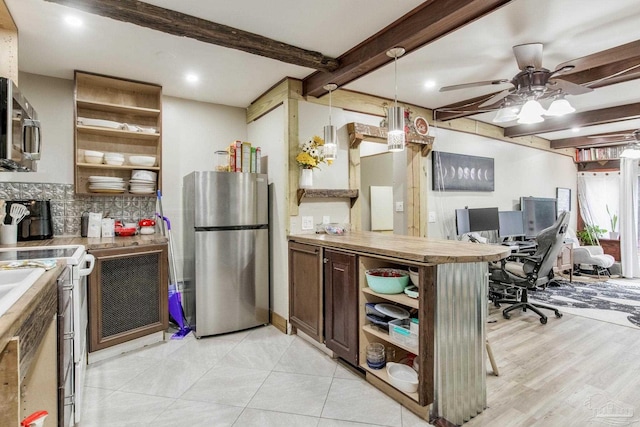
496	304
558	314
543	320
506	316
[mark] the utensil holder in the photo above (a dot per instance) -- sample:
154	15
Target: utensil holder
8	234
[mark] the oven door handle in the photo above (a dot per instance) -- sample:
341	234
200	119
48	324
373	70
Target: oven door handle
91	260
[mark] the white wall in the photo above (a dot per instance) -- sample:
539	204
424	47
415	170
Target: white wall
519	171
376	170
52	98
268	132
191	132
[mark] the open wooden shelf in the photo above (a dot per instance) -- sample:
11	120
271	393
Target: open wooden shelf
129	167
117	108
588	165
95	130
397	298
359	132
382	374
326	193
385	337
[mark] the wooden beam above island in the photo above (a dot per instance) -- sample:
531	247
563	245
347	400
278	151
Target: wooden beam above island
326	290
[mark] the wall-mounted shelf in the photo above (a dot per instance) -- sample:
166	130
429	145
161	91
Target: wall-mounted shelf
359	132
594	165
326	194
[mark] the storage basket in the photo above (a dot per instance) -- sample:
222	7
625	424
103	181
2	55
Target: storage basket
400	333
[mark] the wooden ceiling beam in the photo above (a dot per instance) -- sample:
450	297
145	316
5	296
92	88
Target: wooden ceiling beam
585	118
424	24
183	25
591	140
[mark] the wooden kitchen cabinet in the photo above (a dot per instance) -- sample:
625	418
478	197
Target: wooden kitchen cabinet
305	289
121	101
127	294
341	304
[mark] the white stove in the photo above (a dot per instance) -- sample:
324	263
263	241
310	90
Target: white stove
81	265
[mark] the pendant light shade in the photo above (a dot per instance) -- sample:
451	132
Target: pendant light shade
559	107
330	135
506	114
631	151
395	135
531	112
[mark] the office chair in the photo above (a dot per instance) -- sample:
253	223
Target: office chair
512	279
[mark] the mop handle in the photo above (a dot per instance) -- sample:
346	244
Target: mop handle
159	193
165	219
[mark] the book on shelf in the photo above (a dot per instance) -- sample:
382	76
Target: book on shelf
599	153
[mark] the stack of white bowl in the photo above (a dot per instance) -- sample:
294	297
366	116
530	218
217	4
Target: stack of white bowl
114	159
146	161
94	157
142	182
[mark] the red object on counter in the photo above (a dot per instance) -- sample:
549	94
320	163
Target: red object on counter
146	223
35	419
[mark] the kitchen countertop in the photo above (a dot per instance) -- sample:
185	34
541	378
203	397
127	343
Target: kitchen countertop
14	318
407	248
97	242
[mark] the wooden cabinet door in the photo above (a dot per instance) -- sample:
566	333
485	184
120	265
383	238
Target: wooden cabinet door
341	308
127	294
305	289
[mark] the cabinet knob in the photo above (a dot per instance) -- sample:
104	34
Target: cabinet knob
325	260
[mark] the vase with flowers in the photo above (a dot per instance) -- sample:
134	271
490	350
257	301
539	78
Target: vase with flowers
311	155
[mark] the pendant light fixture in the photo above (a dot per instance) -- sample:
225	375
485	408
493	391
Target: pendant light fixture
531	112
330	135
395	118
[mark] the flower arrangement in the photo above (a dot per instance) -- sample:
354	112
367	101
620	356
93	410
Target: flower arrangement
312	154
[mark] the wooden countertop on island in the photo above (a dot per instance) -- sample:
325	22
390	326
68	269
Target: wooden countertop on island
407	248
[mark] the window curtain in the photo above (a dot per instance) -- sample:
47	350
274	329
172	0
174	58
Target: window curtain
597	193
629	172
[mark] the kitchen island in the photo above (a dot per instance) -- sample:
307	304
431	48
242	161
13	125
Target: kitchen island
451	311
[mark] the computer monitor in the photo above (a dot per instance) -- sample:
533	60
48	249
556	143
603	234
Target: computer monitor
538	213
511	224
462	221
483	219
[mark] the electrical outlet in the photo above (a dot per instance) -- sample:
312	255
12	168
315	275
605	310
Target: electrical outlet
432	216
399	206
307	223
326	219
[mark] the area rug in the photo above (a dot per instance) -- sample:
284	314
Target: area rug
614	301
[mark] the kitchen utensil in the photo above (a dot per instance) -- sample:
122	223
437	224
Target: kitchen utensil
402	377
392	311
18	212
387	280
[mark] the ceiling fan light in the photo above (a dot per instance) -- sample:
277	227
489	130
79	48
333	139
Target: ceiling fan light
506	114
631	151
395	134
531	112
559	107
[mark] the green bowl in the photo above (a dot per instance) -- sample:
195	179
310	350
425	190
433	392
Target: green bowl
387	280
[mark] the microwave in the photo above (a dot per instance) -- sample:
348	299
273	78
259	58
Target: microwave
20	134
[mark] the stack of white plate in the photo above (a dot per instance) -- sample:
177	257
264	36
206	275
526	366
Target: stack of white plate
142	186
106	184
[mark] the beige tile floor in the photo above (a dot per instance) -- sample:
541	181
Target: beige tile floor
259	377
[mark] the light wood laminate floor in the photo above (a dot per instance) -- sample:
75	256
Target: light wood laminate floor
573	371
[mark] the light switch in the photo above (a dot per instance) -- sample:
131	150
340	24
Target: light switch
432	216
307	223
399	206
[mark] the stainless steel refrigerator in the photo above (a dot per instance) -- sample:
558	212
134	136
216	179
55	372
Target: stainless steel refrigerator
226	251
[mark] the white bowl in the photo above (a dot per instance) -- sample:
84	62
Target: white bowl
93	153
143	175
93	159
114	156
142	160
113	161
99	123
414	276
402	377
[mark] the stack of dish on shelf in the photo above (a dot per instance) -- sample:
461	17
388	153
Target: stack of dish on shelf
106	184
142	182
114	159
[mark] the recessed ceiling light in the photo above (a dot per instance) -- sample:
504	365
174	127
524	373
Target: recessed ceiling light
192	78
575	130
73	21
430	84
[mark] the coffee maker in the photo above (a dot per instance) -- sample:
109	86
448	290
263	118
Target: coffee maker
38	224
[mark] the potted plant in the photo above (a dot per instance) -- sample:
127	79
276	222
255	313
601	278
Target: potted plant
590	234
613	234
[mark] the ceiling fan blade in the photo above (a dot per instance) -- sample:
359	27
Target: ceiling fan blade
474	84
528	55
624	136
568	87
599	59
495	98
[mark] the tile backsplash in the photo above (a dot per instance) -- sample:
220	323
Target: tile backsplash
67	207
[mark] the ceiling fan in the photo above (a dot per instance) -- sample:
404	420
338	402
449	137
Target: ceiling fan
532	83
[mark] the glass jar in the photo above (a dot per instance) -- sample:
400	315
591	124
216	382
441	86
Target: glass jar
222	161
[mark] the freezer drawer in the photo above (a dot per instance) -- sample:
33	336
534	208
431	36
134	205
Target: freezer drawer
232	280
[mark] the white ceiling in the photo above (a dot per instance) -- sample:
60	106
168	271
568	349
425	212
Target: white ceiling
480	51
